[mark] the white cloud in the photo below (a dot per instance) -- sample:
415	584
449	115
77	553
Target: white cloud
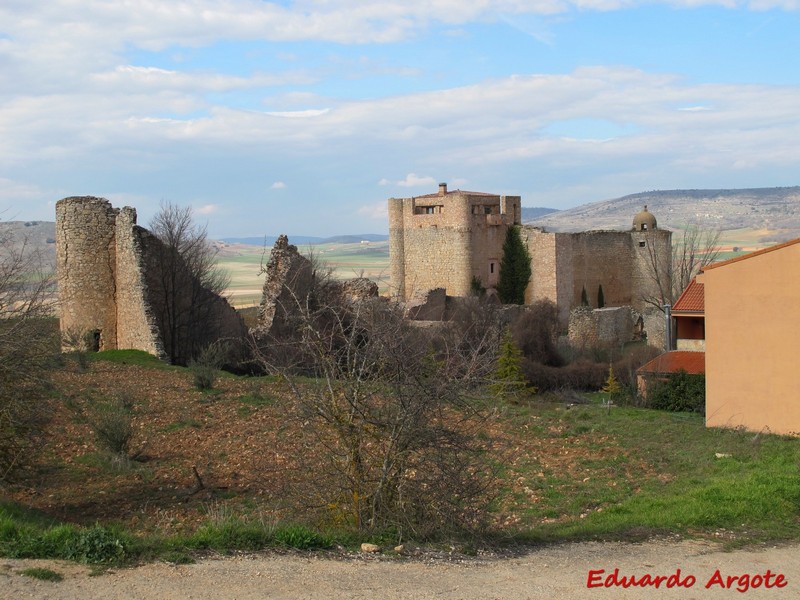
278	185
376	210
414	180
207	209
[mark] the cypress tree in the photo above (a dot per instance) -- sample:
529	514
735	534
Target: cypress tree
515	269
584	297
509	380
601	299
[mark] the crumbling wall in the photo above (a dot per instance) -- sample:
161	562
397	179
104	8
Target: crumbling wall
429	305
108	283
136	324
602	327
290	285
289	276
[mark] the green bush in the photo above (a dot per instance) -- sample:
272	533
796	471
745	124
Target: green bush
682	392
94	545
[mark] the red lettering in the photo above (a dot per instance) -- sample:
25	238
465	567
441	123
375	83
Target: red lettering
747	582
716	579
744	583
660	579
675	579
594	578
611	580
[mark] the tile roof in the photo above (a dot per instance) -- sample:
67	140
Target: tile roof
456	193
672	362
692	299
722	263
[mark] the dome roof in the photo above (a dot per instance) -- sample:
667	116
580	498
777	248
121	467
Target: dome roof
644	221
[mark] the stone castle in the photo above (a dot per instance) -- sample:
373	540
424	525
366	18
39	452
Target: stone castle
454	240
109	289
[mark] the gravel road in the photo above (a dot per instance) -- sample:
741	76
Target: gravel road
556	572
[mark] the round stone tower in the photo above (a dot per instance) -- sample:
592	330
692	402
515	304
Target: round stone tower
85	263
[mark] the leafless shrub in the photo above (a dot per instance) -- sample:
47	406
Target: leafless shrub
28	344
391	437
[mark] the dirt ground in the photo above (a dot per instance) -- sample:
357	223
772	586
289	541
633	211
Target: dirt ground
556	572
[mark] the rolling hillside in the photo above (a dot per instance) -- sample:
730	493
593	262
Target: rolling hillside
773	212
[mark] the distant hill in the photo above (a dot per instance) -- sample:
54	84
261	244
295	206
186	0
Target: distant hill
33	236
530	213
305	240
773	209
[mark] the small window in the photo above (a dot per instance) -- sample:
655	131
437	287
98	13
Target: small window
642	244
644	226
487	210
491	267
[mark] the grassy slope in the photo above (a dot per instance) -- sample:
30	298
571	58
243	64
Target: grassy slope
567	473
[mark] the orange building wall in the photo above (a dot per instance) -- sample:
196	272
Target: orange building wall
752	310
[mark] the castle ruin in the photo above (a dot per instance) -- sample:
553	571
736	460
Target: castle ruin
454	240
109	289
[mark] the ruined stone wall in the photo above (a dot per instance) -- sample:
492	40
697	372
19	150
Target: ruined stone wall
107	278
601	327
85	263
136	323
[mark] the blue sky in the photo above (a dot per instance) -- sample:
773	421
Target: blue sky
304	117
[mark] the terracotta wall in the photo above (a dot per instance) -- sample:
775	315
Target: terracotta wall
752	310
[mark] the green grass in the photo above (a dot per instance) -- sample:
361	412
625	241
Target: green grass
131	357
42	574
628	473
669	480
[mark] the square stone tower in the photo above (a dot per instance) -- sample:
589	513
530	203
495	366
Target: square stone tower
448	240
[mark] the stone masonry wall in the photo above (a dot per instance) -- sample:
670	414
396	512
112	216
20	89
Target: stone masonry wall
105	265
445	240
136	324
85	263
592	328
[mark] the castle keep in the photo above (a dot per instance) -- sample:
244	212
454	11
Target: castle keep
451	239
447	240
108	281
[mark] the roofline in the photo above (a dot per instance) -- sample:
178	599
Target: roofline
724	263
459	193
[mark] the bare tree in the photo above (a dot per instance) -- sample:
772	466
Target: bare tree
186	281
671	273
391	435
696	249
28	344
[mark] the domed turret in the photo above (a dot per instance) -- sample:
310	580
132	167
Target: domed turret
644	221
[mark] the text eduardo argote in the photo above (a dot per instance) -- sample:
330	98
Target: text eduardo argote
600	578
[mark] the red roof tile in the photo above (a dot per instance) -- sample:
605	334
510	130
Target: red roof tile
672	362
692	299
